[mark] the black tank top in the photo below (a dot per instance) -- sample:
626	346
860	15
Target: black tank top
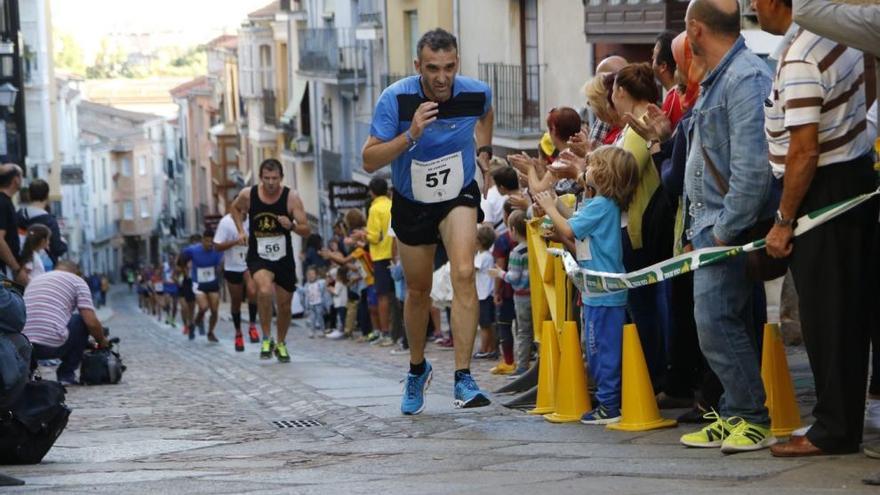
268	240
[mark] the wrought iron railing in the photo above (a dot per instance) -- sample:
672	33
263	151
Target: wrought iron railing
516	95
329	50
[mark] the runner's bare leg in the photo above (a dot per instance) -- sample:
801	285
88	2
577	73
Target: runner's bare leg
214	301
418	269
459	233
265	280
283	302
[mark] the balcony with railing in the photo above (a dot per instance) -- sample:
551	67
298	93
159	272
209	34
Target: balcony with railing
330	53
390	78
270	112
631	21
516	96
369	12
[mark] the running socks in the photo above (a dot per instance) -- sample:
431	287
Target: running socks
252	312
459	374
417	369
236	321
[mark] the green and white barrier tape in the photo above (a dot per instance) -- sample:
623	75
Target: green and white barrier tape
595	283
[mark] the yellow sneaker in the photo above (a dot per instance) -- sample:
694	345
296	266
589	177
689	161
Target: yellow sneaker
503	369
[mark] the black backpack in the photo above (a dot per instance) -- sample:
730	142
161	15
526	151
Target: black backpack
101	366
30	427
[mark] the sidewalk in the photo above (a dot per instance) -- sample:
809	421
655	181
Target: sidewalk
192	417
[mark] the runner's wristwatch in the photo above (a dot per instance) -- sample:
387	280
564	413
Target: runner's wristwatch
782	221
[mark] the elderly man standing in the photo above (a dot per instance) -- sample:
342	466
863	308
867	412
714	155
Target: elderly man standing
727	187
60	318
816	131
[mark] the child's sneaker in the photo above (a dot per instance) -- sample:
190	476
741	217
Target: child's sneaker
336	335
503	369
601	416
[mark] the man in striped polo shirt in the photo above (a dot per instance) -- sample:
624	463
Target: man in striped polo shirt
815	126
54	326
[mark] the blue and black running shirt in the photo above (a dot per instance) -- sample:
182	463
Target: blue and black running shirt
443	161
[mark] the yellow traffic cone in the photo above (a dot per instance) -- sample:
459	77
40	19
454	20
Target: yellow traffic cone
639	411
572	400
785	416
548	367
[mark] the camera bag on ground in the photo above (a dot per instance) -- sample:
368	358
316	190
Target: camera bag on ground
30	427
101	366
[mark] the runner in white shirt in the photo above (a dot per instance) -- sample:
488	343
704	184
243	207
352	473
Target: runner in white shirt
238	279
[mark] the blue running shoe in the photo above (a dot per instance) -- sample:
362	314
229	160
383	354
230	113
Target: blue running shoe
468	394
414	389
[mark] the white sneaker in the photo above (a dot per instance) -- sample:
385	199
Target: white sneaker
336	335
872	416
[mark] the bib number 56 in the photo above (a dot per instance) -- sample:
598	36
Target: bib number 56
433	179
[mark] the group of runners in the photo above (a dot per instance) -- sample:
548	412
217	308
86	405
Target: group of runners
435	129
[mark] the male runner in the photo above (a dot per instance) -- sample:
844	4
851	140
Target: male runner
237	276
172	290
187	291
274	211
205	260
426	126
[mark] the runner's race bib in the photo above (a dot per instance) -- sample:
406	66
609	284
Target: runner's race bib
271	248
239	253
206	275
158	286
437	180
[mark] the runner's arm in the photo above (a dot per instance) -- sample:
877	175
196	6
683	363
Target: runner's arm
241	203
377	154
225	246
297	212
483	129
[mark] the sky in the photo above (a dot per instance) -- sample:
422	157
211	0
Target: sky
190	21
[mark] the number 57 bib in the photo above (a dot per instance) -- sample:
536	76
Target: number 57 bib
437	180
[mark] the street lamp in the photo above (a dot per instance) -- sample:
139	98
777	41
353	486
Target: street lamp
8	94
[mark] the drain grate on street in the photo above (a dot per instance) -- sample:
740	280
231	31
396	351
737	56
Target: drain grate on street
296	423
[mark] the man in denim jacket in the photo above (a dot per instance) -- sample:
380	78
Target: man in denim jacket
727	186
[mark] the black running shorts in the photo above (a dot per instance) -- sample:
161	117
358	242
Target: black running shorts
418	224
285	273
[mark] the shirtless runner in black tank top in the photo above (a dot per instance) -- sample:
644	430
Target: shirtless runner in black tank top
275	211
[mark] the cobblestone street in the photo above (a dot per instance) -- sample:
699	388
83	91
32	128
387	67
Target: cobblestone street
194	417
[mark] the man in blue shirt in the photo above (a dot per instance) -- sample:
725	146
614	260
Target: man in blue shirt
435	129
205	260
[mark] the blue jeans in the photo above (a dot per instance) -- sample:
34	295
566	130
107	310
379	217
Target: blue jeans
315	314
724	299
603	338
70	352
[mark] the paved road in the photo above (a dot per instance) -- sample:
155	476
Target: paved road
192	417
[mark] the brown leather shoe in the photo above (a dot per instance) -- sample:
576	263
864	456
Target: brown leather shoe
796	447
